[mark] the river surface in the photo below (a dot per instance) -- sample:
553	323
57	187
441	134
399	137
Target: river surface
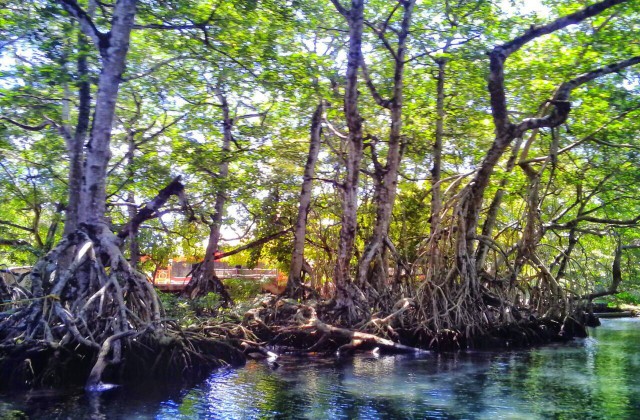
593	378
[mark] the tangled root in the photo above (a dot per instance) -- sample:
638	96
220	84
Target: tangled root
92	316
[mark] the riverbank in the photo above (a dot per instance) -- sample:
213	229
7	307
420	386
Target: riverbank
595	377
265	329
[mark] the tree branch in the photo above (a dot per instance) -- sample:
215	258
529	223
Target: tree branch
86	23
561	103
13	242
500	53
560	23
598	220
385	103
254	244
27	127
154	68
13	225
590	137
383	38
340	8
149	211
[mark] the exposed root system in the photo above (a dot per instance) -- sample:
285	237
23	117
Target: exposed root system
91	317
296	328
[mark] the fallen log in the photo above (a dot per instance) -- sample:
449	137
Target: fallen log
360	340
356	340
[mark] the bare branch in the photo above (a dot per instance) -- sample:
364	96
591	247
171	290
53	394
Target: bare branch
154	68
151	208
384	40
598	220
334	130
255	243
590	137
560	23
13	242
385	25
27	127
13	225
329	181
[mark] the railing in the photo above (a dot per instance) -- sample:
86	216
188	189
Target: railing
225	273
164	280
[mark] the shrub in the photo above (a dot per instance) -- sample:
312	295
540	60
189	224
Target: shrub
243	289
627	298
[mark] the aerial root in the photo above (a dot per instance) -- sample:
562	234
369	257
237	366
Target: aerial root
89	304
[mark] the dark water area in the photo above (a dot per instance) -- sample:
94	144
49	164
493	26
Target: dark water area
593	378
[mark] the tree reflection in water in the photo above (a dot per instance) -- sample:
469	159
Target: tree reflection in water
598	377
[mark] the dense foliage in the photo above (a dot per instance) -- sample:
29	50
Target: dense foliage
223	94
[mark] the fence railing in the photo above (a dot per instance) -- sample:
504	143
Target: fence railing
164	276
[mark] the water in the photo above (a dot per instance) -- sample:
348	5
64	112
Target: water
593	378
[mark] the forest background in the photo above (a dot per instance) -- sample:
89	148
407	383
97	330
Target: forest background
464	159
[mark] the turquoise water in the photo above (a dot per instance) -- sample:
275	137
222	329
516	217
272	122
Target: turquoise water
597	378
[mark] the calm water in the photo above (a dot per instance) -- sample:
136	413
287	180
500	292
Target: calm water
598	377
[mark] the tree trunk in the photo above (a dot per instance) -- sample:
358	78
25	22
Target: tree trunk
494	208
297	258
345	292
113	50
388	186
132	211
436	175
204	279
76	146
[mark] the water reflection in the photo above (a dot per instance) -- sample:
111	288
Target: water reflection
598	377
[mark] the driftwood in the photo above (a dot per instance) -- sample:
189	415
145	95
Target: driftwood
356	340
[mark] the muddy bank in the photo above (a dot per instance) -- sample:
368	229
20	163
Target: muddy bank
275	327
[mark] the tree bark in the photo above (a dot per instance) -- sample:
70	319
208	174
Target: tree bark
113	48
344	289
436	170
297	258
494	208
76	146
132	210
151	208
206	272
388	185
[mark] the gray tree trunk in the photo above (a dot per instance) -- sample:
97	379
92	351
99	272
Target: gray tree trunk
221	194
436	170
388	186
345	291
354	122
294	282
75	144
132	211
205	276
113	48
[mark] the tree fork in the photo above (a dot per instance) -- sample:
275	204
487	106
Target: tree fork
387	187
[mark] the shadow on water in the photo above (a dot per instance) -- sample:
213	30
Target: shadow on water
597	377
